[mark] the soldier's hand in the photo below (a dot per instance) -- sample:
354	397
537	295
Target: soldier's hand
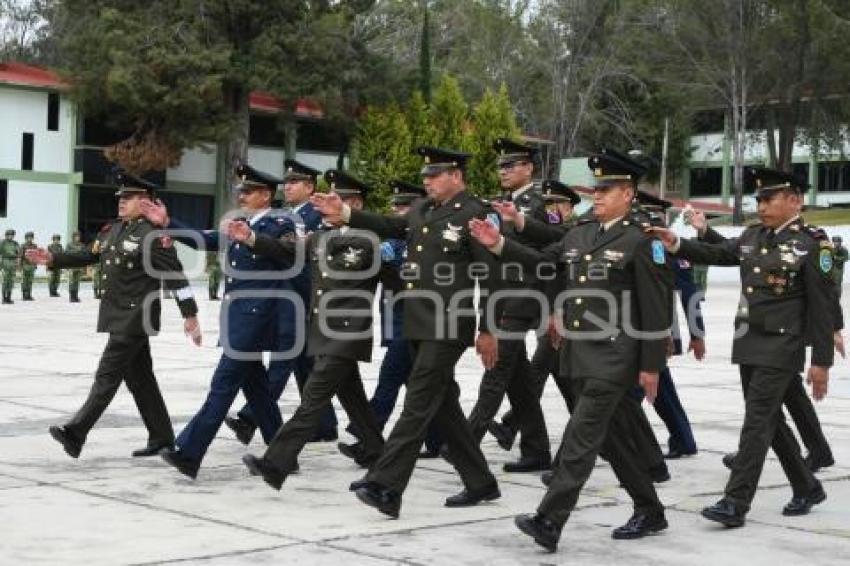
649	381
697	346
554	332
329	205
838	341
488	348
239	230
486	233
818	378
155	212
667	236
507	210
39	256
192	329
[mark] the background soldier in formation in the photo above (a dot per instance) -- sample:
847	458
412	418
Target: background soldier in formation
840	255
10	255
27	267
55	273
787	300
75	275
213	275
130	314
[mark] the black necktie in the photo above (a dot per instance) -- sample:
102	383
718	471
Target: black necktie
600	233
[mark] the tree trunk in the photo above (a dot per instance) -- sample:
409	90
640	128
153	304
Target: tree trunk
770	137
237	145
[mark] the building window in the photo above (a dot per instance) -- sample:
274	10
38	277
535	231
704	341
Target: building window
53	112
834	176
706	181
4	197
26	151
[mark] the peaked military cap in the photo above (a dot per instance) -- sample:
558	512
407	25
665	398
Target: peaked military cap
250	178
131	184
56	237
556	191
610	166
10	232
438	160
650	201
763	181
405	193
345	185
29	235
511	151
837	239
296	171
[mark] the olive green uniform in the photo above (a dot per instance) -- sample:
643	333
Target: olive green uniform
214	274
27	270
10	254
75	275
55	273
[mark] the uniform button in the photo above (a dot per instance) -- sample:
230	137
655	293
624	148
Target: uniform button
330	258
117	261
130	265
757	270
588	257
418	248
254	309
578	301
233	263
104	275
626	222
764	251
749	290
108	262
576	324
132	305
230	279
253	256
410	285
424	229
345	323
315	311
582	279
782	331
324	275
319	292
445	250
226	297
236	246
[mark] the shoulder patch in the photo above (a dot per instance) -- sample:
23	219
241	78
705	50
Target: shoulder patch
658	252
825	260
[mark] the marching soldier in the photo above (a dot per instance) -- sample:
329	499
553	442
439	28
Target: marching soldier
130	314
249	319
27	267
519	313
786	298
344	271
443	265
604	258
75	275
213	275
560	202
10	255
54	274
298	184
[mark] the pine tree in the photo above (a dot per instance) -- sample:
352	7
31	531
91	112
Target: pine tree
449	117
492	118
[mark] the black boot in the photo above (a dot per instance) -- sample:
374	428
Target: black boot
542	530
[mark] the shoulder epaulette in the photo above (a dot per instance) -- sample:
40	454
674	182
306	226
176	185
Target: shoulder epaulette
816	232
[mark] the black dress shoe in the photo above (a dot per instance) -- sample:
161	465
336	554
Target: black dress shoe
503	434
185	465
729	459
261	467
151	450
815	463
640	525
542	530
325	436
546	477
470	497
529	464
726	513
243	429
69	442
352	451
802	505
384	499
675	454
357	484
659	474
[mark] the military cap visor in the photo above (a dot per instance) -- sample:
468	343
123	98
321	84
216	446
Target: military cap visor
345	185
437	160
555	191
129	185
764	182
29	235
510	151
610	167
10	232
296	171
250	177
650	201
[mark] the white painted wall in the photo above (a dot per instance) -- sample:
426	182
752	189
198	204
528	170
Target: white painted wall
267	160
196	166
26	111
38	207
321	161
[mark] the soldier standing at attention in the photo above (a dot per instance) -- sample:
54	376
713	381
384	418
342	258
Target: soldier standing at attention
840	255
10	255
27	267
130	314
54	248
605	259
213	275
787	299
443	265
344	271
519	313
76	246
